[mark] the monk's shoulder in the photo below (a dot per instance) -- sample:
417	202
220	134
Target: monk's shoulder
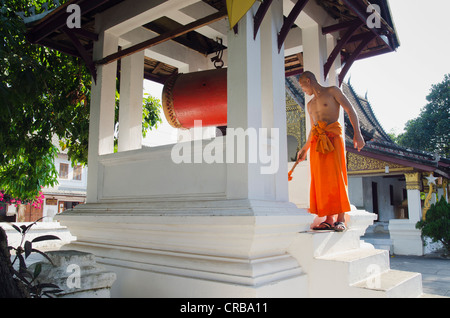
333	90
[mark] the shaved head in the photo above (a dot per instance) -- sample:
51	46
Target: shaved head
308	75
308	81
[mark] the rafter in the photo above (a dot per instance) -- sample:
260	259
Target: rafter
58	21
339	26
350	31
259	16
82	51
164	37
360	12
355	56
287	25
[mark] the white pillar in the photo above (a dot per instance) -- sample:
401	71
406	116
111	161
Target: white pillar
244	107
314	51
273	96
314	57
333	75
414	205
130	108
101	124
406	239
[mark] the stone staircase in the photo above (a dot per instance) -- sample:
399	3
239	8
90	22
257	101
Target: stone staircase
342	265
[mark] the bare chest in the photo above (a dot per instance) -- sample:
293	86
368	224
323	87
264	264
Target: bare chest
324	108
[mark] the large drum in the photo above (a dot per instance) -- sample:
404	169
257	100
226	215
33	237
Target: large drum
196	96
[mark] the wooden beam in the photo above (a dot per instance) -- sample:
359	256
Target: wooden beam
354	56
59	20
359	10
164	37
259	16
82	51
85	34
339	26
157	68
351	30
290	21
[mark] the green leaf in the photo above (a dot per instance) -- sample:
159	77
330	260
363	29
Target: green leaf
28	248
45	238
37	270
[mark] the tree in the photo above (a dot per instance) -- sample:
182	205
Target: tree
431	130
43	93
437	224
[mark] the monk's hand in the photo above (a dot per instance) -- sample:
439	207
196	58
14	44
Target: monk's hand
358	142
301	155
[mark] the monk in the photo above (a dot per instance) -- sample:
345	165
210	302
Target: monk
329	187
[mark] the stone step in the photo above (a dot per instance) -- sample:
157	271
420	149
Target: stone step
343	265
357	265
330	242
393	284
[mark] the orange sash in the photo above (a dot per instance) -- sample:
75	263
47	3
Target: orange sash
323	132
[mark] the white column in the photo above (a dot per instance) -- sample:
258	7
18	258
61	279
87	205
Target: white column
333	75
130	108
314	57
405	237
101	124
413	186
314	51
273	97
244	107
414	205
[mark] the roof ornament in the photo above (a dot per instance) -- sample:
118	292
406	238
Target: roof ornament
32	16
436	156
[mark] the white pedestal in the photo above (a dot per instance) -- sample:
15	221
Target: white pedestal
230	248
406	239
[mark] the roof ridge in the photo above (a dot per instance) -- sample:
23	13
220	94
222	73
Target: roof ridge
373	118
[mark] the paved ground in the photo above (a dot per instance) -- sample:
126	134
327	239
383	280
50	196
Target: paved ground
435	271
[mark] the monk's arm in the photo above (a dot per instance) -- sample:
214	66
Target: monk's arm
358	139
302	153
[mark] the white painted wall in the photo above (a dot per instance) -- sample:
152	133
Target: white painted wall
360	193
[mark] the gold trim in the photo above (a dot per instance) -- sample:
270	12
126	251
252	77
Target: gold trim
381	171
359	164
167	102
413	181
427	203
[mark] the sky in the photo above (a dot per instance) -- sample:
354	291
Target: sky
396	83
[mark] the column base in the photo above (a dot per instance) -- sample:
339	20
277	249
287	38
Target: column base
406	239
232	248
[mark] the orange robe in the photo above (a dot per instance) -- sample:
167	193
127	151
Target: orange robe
329	185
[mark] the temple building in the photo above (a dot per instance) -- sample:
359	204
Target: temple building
202	226
384	178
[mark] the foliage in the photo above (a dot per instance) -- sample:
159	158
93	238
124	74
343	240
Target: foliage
437	223
30	279
431	130
44	94
151	115
35	202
